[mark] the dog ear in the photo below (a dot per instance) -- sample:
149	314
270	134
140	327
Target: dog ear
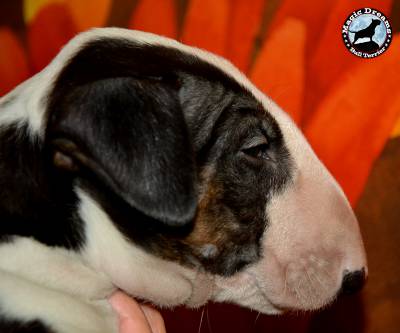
130	133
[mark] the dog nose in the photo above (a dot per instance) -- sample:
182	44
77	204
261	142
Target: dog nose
353	281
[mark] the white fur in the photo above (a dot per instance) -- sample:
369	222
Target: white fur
44	293
312	237
55	268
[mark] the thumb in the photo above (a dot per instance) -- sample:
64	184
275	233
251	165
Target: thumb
131	317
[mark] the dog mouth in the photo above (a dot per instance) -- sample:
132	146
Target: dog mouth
267	301
301	286
303	290
245	290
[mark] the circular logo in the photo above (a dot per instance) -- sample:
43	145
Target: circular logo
367	33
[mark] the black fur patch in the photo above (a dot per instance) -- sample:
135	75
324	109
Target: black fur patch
36	200
32	326
241	189
111	57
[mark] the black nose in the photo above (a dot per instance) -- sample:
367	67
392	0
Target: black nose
353	282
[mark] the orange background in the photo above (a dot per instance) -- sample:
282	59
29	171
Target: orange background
348	107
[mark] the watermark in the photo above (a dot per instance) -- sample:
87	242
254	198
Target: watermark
367	33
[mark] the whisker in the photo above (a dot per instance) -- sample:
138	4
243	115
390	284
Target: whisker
208	321
201	320
305	294
298	295
258	315
285	286
322	264
297	291
310	286
316	277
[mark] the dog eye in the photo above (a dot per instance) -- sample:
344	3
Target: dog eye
257	148
257	152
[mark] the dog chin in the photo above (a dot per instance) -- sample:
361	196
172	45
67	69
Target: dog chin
253	291
243	289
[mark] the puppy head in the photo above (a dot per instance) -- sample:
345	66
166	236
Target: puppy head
193	185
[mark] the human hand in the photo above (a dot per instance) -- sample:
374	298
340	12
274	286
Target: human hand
135	317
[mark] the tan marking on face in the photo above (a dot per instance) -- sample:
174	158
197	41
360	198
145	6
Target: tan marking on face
210	227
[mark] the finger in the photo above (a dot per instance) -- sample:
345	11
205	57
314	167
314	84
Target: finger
154	319
131	317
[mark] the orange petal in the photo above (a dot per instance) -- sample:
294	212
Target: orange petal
89	13
13	63
244	24
31	8
311	13
48	32
330	56
279	68
162	21
206	25
353	122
